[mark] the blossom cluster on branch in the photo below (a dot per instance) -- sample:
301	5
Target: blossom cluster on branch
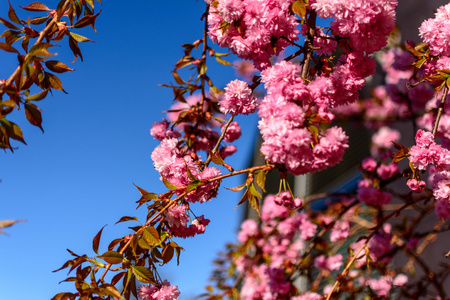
295	250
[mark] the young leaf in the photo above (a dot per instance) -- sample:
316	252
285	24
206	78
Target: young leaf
126	218
33	115
8	24
169	185
38	96
96	241
12	15
151	236
143	274
110	290
8	48
167	253
261	180
57	66
79	38
86	21
236	188
112	257
73	44
35	6
54	81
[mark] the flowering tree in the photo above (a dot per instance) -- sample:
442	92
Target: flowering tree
293	251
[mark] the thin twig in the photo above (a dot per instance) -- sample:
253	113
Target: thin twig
440	110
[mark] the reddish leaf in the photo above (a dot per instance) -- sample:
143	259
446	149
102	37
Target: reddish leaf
8	48
35	6
96	241
86	21
126	218
33	115
54	81
167	253
73	44
12	15
57	66
8	24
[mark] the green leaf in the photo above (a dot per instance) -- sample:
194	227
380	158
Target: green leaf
192	185
110	290
151	236
112	257
299	7
33	115
38	96
41	49
57	66
96	241
79	38
261	180
169	185
253	191
143	274
222	61
236	188
35	6
254	203
12	15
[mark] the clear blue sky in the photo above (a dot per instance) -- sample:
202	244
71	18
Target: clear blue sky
78	176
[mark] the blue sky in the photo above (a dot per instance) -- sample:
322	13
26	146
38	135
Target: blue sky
78	176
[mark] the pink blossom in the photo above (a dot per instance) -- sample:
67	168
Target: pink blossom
160	131
382	286
227	151
307	296
400	280
249	228
387	171
176	215
416	186
340	231
383	139
331	263
238	99
369	164
373	196
435	32
233	132
442	209
163	291
285	199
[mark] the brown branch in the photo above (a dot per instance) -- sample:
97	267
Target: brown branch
222	136
309	43
440	110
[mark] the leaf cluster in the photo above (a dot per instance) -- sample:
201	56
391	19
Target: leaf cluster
35	69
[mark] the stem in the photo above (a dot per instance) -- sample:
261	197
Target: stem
205	49
308	49
222	135
440	110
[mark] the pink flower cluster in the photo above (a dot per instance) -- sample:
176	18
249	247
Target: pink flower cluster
365	22
285	128
268	280
238	99
286	199
435	32
372	195
164	291
253	29
427	151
